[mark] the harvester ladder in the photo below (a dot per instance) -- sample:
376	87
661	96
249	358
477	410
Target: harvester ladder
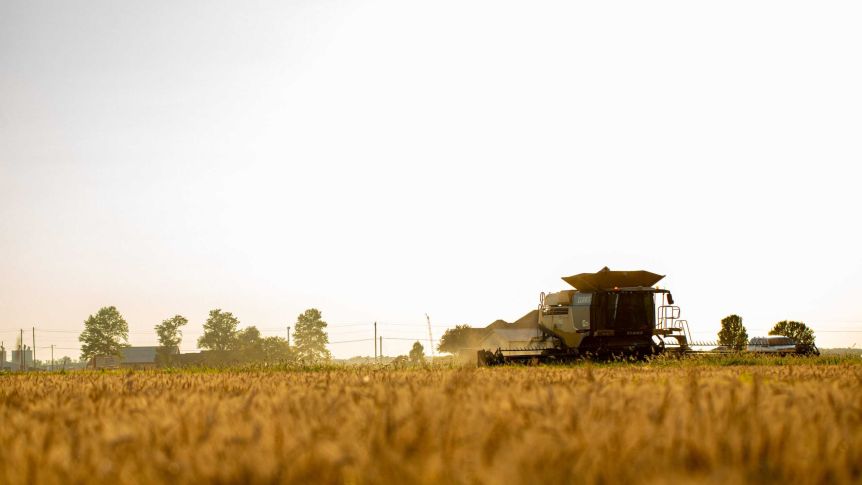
669	321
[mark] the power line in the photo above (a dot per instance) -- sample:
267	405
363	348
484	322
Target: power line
192	333
78	332
413	326
351	341
418	325
404	338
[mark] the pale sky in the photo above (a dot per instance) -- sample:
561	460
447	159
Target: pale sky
380	160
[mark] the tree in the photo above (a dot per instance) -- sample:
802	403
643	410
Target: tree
310	337
733	333
417	354
275	349
105	333
798	331
219	331
456	339
170	335
248	344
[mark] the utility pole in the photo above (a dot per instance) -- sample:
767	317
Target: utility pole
430	339
33	359
288	336
375	340
52	357
381	348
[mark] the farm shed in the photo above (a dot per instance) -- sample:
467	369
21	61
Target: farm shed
139	357
104	362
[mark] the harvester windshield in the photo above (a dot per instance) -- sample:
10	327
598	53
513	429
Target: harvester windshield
624	311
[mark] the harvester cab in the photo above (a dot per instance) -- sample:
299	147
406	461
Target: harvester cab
608	313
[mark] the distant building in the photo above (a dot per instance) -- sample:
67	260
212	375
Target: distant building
190	358
139	357
130	358
15	362
104	362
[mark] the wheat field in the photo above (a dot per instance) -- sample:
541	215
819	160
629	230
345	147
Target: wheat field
581	424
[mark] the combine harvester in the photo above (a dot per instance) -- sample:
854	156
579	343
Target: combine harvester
609	314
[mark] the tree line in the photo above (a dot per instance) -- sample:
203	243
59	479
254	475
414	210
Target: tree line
106	333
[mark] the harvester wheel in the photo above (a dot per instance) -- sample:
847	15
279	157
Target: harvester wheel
499	358
485	358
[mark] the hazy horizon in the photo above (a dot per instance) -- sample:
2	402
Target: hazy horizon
380	160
